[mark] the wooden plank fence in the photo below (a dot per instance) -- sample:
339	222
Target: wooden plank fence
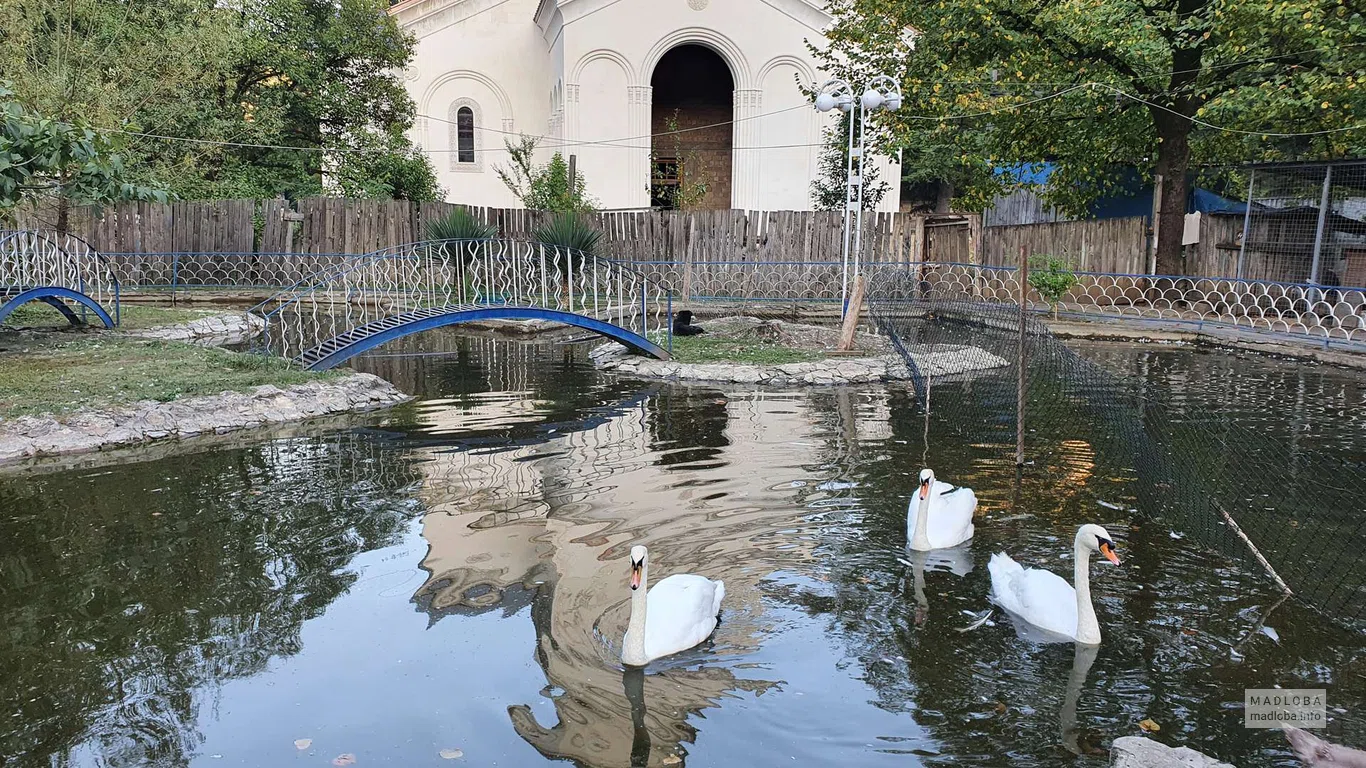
698	252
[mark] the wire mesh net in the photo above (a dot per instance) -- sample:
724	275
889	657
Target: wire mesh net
1305	224
1190	460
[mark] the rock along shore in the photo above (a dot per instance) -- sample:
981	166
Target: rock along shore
832	371
213	330
104	429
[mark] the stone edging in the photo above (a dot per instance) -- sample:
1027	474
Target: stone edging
94	430
226	328
831	371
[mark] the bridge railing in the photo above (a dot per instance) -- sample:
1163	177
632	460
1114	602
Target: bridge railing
434	274
32	259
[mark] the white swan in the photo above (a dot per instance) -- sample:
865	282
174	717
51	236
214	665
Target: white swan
677	614
1044	600
940	516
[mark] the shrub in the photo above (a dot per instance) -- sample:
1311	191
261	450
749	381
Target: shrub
1052	277
460	224
567	230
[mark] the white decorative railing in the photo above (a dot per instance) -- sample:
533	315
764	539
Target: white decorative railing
432	275
34	259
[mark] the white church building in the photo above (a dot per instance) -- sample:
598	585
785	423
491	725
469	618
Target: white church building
597	79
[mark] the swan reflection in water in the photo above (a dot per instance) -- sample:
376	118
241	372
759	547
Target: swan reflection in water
607	716
955	560
540	525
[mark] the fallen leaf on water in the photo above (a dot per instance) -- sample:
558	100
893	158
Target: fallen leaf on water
671	760
1000	707
345	758
303	743
452	754
1149	725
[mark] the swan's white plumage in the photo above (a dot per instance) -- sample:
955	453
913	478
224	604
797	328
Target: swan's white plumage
1042	598
680	612
949	521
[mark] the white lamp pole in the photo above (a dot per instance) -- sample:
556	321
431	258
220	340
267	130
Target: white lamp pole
881	92
838	93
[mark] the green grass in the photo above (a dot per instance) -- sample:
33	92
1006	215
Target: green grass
59	373
714	349
36	314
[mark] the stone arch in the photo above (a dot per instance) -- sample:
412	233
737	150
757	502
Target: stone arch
692	88
709	38
603	53
504	103
803	68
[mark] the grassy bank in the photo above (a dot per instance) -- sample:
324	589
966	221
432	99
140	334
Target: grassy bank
133	317
711	348
63	372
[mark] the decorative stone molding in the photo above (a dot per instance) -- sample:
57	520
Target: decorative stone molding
453	129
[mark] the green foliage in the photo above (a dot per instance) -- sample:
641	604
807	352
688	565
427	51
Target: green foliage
543	187
692	181
828	189
706	348
316	84
460	224
43	159
1285	67
570	231
1052	277
58	373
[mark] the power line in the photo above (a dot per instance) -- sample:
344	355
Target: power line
612	143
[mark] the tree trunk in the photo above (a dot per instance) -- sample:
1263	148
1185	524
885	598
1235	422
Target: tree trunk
944	199
1173	159
63	212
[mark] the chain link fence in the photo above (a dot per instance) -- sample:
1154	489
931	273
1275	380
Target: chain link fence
1247	493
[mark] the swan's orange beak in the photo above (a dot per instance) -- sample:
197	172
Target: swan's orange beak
1108	549
924	489
635	575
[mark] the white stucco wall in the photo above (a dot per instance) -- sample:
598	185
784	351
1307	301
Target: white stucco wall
578	73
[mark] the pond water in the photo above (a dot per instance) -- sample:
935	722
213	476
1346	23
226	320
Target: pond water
452	576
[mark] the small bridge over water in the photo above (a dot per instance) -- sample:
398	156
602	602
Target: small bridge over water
62	271
339	313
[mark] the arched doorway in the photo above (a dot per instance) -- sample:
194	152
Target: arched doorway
692	87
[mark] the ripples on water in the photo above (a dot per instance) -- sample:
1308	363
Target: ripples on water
453	576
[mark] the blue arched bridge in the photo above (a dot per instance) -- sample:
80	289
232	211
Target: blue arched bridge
62	271
339	313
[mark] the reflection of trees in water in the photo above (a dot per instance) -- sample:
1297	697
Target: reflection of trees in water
124	610
688	424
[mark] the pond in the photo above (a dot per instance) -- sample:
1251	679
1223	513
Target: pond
447	583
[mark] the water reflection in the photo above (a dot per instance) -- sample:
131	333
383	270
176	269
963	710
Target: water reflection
454	575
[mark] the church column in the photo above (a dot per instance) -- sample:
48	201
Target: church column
745	159
571	117
640	99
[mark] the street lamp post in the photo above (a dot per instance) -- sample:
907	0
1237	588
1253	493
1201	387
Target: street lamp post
881	92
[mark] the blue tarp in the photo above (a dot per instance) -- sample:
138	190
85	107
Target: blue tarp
1137	200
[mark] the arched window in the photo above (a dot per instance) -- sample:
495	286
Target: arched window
464	135
464	119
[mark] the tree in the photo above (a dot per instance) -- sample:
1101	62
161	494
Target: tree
42	159
542	187
679	181
1052	277
263	96
1099	86
829	188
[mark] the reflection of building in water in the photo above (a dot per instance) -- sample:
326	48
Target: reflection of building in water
551	524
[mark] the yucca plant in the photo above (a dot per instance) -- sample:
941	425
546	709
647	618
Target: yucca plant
460	234
460	224
568	232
